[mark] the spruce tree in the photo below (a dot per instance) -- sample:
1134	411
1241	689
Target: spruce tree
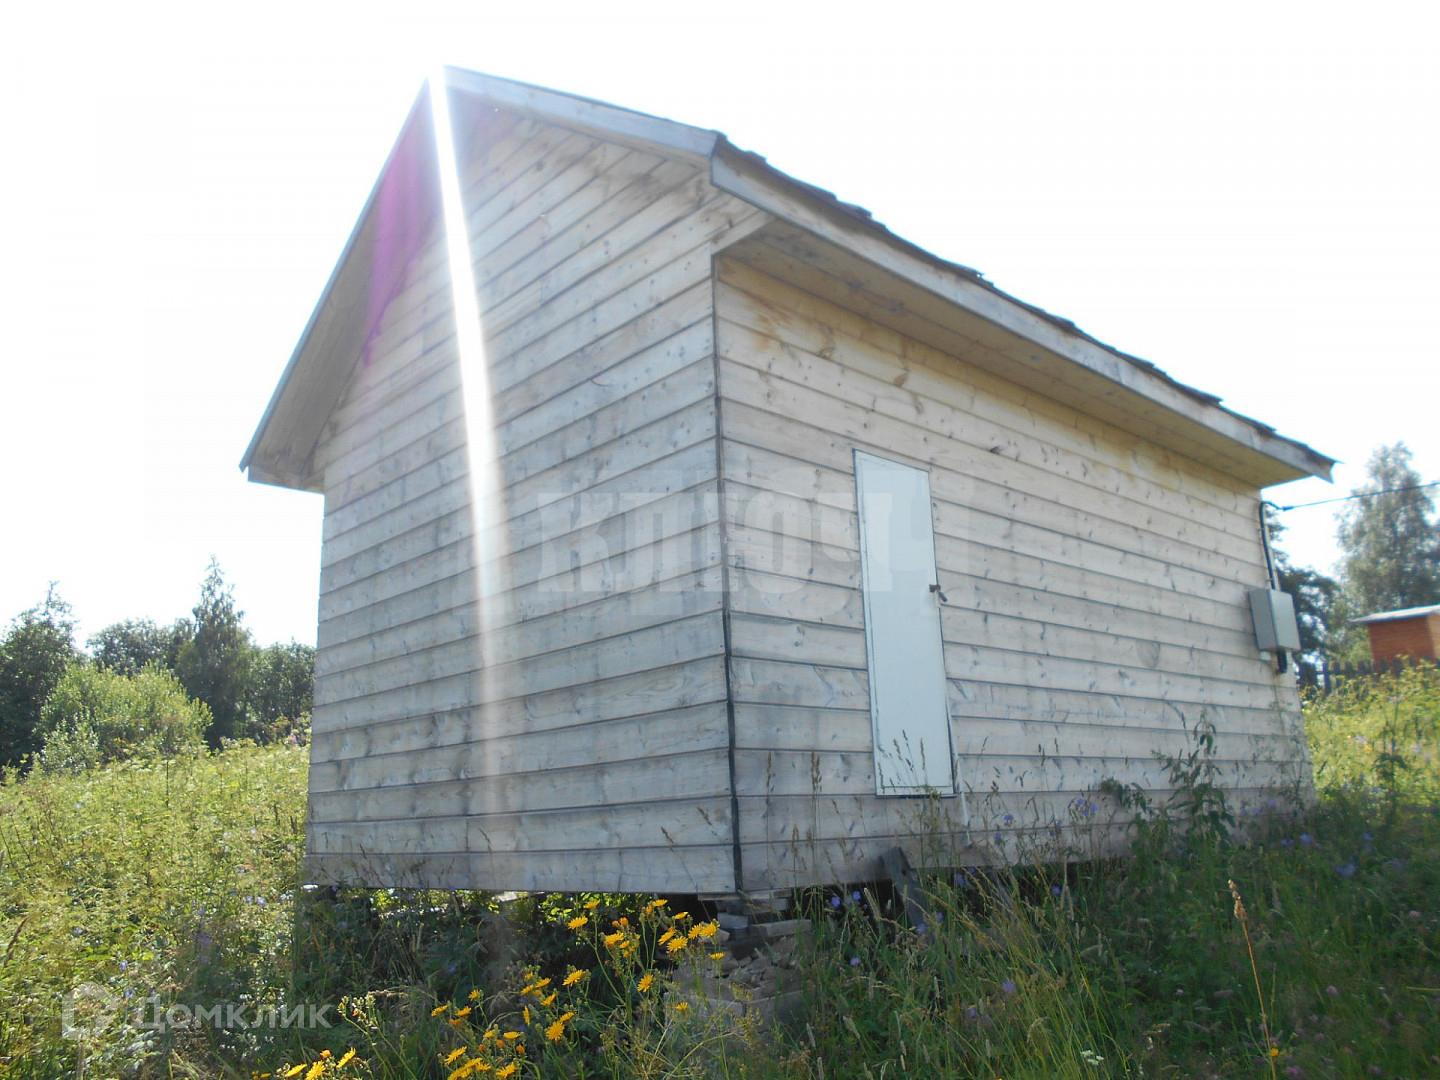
214	664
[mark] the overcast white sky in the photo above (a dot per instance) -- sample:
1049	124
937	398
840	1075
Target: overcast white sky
1243	193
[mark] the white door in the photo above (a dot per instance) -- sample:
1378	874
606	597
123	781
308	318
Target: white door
908	707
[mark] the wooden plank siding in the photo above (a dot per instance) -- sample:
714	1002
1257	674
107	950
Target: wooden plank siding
582	740
1097	593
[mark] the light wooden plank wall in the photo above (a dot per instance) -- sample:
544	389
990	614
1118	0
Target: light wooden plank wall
586	744
1096	592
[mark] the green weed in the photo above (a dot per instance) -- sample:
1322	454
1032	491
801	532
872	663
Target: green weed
177	883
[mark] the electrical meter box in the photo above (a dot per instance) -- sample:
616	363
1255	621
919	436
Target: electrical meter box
1274	615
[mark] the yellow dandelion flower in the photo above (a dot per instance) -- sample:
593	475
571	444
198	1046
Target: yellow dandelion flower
566	1017
315	1070
573	978
508	1070
656	905
590	905
479	1066
512	1035
717	956
492	1034
611	940
348	1056
296	1071
547	1002
1274	1051
708	930
676	944
463	1012
667	935
646	982
525	1012
325	1054
474	995
542	984
460	1073
450	1058
681	915
682	1006
438	1009
577	922
556	1031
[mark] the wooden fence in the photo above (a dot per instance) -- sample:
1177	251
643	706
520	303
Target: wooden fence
1324	678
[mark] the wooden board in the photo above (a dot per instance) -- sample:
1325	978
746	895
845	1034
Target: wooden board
523	738
1096	583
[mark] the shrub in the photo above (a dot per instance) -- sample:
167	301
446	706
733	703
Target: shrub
95	717
1377	737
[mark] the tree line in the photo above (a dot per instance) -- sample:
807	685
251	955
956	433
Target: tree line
138	687
1389	539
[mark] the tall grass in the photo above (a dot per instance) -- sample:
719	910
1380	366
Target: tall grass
164	878
180	881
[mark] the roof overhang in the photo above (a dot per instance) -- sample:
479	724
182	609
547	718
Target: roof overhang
836	249
397	217
847	257
1392	616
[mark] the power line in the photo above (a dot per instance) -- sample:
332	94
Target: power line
1361	495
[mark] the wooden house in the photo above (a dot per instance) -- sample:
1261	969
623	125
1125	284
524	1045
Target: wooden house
742	522
1410	634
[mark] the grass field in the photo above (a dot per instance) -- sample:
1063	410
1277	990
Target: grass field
168	893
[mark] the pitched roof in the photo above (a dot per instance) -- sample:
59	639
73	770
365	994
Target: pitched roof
1037	348
1403	613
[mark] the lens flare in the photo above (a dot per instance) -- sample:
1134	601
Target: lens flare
488	519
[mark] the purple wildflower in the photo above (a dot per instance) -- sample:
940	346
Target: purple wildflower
835	901
1008	987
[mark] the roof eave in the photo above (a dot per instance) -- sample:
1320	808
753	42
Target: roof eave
273	456
598	118
748	177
